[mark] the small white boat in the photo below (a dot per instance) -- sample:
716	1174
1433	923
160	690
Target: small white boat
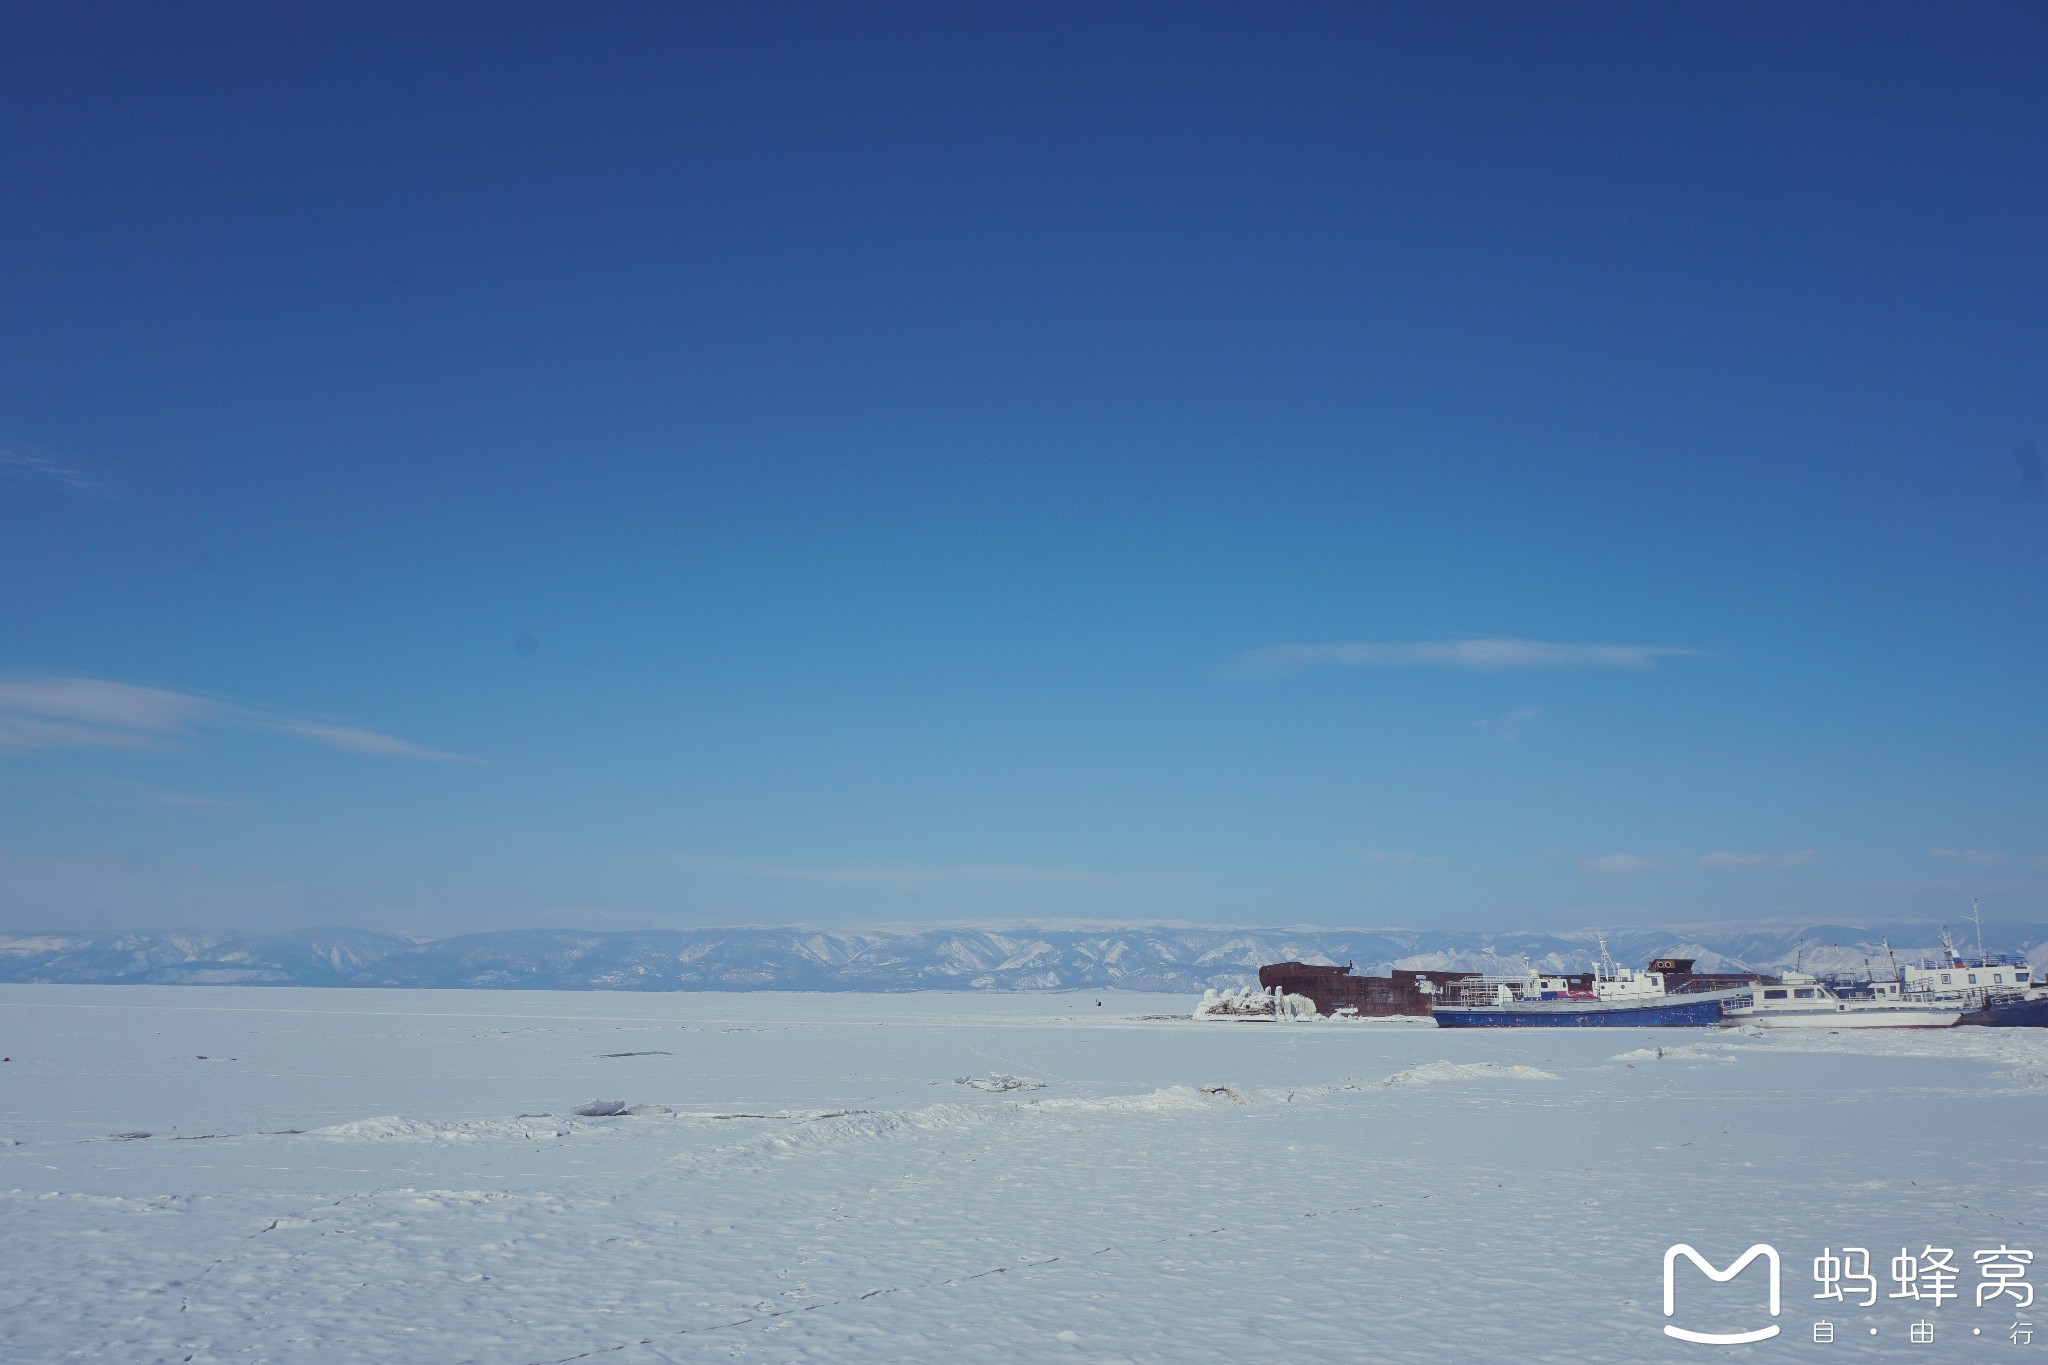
1804	1002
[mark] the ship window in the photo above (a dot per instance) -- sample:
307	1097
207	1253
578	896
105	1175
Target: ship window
1973	978
1774	995
1997	978
1944	978
1803	993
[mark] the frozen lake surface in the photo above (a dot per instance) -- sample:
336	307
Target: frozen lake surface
217	1174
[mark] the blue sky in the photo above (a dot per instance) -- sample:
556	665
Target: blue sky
476	466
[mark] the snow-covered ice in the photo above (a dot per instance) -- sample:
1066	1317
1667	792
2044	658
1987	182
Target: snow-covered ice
216	1173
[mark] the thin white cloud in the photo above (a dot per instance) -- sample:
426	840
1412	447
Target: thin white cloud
37	464
94	713
1798	857
1975	857
353	740
1488	655
1381	855
1615	864
906	874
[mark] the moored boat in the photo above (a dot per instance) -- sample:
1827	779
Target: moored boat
1990	989
1804	1001
1340	994
1669	995
2020	1011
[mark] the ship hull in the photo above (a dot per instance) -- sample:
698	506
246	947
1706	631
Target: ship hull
2011	1014
1841	1019
1582	1014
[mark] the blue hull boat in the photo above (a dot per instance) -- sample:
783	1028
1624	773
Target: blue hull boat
2031	1012
1670	1012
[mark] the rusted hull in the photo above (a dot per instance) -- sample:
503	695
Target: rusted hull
1371	997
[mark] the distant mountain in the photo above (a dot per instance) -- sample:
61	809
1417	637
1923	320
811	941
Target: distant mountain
179	957
1179	959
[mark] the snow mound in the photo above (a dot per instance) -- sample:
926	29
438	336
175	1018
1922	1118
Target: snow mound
2020	1077
997	1083
600	1109
1249	1002
1688	1052
445	1200
393	1128
835	1131
1432	1073
1172	1099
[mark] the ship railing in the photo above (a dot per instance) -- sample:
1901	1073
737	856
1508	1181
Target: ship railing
1481	990
1697	987
1967	997
1970	997
1486	991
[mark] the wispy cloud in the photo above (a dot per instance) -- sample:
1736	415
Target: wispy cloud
94	713
1616	864
1489	655
1798	857
1975	857
906	874
37	464
353	740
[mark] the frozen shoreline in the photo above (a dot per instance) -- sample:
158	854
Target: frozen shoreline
827	1186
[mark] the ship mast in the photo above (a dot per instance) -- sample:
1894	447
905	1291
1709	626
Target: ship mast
1977	917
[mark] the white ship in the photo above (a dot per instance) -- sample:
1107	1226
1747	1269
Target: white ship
1802	1001
1989	989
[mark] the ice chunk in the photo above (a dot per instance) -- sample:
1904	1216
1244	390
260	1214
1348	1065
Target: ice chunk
393	1128
1249	1002
996	1081
1432	1072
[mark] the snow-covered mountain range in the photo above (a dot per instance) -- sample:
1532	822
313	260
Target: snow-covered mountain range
1132	957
